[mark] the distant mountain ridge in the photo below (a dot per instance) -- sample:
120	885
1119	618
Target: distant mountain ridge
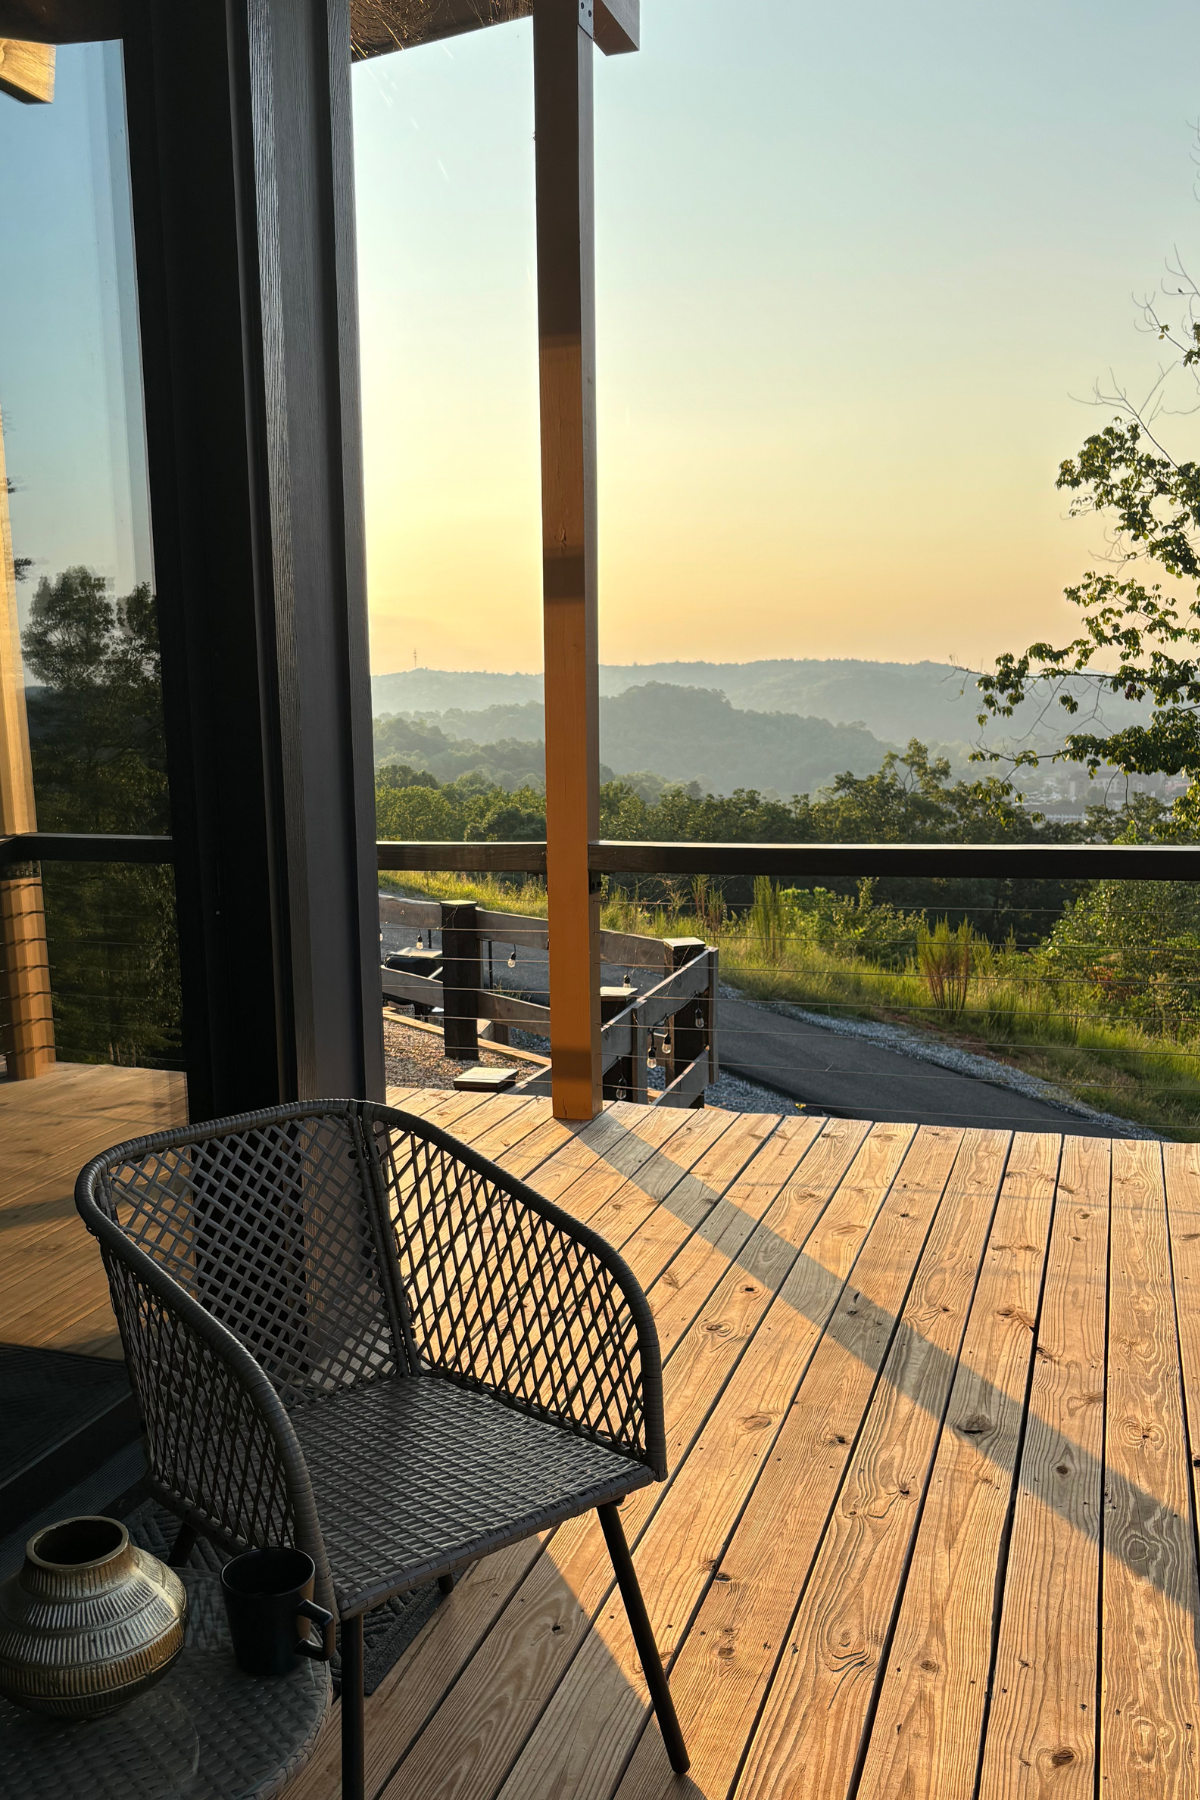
894	701
683	734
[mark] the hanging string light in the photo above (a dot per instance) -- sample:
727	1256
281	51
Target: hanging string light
512	961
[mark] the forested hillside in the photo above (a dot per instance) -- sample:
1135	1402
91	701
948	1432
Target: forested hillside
684	734
894	701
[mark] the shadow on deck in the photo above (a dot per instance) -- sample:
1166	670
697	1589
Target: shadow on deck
929	1528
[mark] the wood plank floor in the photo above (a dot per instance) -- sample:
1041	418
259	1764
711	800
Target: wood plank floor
53	1291
930	1526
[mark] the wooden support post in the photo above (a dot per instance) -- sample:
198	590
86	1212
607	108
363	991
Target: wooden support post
562	57
462	977
26	1018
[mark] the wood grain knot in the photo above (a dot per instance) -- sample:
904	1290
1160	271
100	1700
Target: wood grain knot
975	1425
1061	1757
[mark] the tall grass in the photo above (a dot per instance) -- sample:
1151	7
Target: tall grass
944	956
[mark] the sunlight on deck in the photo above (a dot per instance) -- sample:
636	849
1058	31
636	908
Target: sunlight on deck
897	1443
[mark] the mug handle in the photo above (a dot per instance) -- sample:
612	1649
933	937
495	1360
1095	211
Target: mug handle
306	1647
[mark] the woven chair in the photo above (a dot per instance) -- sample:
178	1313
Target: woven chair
349	1333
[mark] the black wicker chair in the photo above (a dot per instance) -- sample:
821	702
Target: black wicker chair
348	1332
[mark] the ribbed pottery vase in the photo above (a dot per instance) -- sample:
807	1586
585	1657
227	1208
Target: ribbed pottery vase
88	1622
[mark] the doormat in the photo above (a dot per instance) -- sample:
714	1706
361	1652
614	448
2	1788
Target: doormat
387	1632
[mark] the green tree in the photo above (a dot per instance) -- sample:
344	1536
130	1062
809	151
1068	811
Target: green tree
99	761
1135	946
1136	638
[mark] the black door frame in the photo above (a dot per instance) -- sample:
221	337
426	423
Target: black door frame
240	145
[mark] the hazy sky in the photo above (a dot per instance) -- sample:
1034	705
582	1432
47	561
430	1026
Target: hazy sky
858	269
69	378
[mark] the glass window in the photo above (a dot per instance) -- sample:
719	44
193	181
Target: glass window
83	741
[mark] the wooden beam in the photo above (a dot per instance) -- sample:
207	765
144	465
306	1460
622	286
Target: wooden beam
28	1022
618	26
27	71
377	27
562	83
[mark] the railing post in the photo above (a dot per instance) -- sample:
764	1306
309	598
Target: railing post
708	1005
626	1079
461	979
562	80
688	1040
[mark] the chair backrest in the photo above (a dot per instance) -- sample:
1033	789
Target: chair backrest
269	1222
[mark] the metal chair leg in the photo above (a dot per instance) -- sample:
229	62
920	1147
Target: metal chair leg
181	1549
354	1760
643	1637
445	1584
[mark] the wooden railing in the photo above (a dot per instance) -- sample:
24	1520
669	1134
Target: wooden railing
672	1022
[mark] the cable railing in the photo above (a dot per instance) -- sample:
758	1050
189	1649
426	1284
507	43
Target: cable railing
1089	1025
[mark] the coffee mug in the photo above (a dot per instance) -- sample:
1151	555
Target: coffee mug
268	1602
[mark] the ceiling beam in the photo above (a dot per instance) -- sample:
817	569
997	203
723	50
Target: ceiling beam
27	71
378	27
618	27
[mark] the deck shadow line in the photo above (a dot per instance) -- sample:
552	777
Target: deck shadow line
1002	1411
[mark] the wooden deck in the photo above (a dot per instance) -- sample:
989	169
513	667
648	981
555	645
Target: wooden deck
53	1292
931	1404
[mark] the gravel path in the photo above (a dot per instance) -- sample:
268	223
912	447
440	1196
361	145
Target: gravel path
414	1058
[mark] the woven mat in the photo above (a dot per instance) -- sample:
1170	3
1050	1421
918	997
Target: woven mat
387	1632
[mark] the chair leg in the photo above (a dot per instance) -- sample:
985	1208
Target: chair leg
643	1637
354	1761
445	1584
181	1549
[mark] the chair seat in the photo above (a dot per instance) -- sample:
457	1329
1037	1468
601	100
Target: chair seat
415	1476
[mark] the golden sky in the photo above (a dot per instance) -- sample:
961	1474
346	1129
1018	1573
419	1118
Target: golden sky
858	272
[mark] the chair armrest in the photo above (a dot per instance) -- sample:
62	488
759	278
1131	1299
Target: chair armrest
221	1449
505	1292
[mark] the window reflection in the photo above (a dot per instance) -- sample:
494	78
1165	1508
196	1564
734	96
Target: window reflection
83	741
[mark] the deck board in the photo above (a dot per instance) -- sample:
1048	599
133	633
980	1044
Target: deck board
1150	1688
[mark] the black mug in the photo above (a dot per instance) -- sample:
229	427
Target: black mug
268	1602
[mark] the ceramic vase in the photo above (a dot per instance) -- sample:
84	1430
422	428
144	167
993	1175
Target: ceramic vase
88	1622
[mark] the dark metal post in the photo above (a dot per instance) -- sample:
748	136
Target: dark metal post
643	1637
354	1755
462	977
240	150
